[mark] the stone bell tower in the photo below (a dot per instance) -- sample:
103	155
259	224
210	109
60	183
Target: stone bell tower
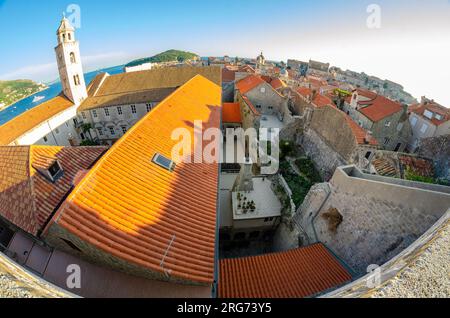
69	63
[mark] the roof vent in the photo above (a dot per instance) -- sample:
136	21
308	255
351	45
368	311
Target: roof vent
163	162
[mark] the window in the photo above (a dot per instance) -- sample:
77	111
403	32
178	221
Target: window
149	107
164	162
387	124
83	115
413	121
75	122
72	58
69	35
45	139
100	131
124	129
268	220
56	130
107	112
119	110
133	109
263	89
387	140
111	131
439	117
424	128
254	235
270	107
428	114
94	113
55	171
76	80
258	106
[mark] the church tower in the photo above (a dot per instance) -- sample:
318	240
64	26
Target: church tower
69	63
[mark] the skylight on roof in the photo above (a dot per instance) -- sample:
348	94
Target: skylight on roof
163	162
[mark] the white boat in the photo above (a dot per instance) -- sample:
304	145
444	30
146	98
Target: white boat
38	98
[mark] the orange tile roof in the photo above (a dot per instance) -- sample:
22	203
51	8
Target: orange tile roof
319	100
27	198
378	107
250	105
248	83
277	83
228	75
359	132
25	122
297	273
419	109
231	113
161	221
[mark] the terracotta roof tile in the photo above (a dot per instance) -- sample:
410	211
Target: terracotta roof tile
248	83
144	86
359	132
297	273
27	198
25	122
231	113
378	107
435	108
141	213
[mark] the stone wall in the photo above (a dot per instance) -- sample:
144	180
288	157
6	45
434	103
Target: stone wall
438	148
267	100
381	216
325	158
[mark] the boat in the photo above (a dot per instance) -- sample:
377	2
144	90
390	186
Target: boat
38	98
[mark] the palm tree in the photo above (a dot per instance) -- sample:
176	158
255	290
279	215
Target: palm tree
86	128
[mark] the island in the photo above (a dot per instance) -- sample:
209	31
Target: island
165	57
13	91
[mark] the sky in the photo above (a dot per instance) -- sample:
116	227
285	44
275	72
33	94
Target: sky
406	41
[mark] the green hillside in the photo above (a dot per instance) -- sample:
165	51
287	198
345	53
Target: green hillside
167	56
13	91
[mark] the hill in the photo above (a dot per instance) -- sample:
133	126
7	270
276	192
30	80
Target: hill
13	91
167	56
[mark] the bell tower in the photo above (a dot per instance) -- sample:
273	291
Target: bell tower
69	63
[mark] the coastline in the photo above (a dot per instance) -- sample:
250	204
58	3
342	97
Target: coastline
39	91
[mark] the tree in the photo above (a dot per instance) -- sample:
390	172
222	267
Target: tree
86	128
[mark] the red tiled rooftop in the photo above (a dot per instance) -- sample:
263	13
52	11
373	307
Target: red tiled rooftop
298	273
27	198
228	75
248	83
435	108
378	107
231	113
32	118
359	133
319	100
140	213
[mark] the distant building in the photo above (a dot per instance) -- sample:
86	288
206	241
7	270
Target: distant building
318	68
428	119
385	119
141	67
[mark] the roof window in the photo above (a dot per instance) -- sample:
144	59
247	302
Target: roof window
48	167
163	162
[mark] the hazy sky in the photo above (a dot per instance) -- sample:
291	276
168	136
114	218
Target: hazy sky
412	45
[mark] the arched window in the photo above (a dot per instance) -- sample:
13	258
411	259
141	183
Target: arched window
72	57
69	36
76	79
